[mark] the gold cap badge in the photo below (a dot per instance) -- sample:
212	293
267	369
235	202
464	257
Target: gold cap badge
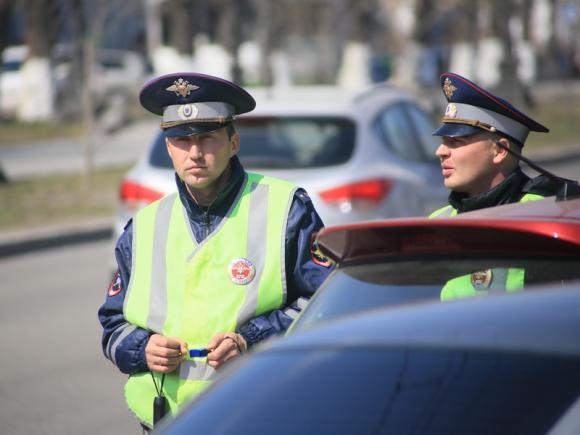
448	88
451	111
182	87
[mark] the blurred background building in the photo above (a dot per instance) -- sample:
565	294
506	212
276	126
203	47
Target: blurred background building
61	55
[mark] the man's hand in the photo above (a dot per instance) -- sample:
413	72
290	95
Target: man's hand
164	354
223	347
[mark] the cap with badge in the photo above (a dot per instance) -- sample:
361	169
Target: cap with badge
471	109
193	103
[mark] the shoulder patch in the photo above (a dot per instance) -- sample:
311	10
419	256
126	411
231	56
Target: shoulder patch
115	287
316	254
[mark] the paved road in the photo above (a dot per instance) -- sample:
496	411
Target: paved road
54	379
21	160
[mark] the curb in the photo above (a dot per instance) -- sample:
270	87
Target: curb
20	242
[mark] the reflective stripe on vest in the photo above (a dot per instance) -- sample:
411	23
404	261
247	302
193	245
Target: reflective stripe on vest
179	288
447	211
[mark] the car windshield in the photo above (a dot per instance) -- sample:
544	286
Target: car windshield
284	142
362	287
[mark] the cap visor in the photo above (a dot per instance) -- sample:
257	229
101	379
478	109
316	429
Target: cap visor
456	130
192	129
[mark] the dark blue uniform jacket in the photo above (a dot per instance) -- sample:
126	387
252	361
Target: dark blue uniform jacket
124	344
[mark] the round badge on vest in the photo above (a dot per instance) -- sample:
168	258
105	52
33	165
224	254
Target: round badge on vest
242	271
481	280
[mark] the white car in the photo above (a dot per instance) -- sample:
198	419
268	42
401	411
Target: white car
11	78
361	156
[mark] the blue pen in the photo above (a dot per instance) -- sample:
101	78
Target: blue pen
198	353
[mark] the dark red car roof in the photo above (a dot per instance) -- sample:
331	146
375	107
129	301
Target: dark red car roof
532	228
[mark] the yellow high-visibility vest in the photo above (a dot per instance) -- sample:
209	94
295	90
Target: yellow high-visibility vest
482	282
179	288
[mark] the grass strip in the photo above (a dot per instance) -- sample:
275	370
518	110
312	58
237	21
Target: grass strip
58	199
562	118
13	132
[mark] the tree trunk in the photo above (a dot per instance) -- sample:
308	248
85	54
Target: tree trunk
510	86
179	13
36	101
229	34
264	39
5	15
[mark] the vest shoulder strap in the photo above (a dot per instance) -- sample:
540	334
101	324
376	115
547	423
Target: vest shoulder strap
447	211
531	197
272	181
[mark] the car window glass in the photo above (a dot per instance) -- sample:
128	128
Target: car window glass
362	390
364	287
294	142
396	131
424	128
159	158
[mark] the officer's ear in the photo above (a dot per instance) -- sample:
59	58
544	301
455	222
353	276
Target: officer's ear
234	144
168	147
500	152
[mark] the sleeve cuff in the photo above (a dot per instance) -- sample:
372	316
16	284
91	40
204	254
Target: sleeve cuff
250	333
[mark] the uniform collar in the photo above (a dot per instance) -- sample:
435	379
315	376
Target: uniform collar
224	198
508	191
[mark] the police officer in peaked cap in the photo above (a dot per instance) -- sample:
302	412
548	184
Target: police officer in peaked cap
209	271
482	136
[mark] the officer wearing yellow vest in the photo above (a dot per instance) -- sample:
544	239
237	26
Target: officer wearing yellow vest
204	273
482	138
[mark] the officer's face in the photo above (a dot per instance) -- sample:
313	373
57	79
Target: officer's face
201	160
469	163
